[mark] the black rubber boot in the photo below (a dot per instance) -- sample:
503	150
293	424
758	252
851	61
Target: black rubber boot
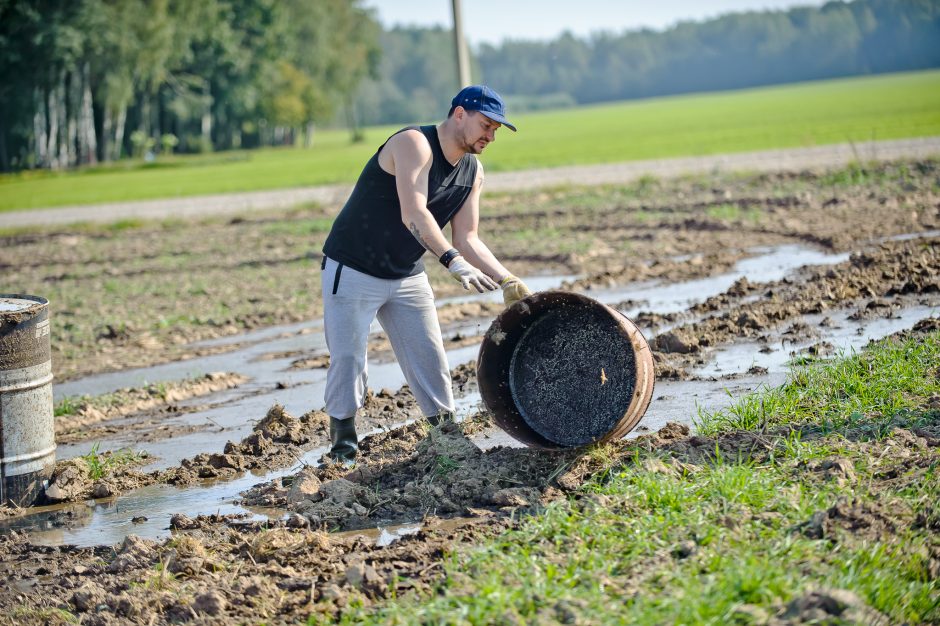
345	442
443	417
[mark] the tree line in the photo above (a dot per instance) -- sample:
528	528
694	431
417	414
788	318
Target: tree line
86	81
737	50
89	81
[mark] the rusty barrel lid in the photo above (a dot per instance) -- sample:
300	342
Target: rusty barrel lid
559	370
14	305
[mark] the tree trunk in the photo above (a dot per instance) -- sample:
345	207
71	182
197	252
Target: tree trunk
87	143
104	149
59	133
52	139
40	131
72	111
145	124
308	134
118	147
352	120
206	143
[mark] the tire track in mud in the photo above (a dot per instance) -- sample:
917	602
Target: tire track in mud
875	281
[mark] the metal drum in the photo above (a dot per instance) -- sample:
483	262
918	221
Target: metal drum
561	370
27	432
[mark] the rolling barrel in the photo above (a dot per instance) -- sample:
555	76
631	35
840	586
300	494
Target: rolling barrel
27	434
561	370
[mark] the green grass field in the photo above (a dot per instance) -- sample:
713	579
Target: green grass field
817	113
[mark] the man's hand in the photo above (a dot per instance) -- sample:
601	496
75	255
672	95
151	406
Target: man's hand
468	275
514	290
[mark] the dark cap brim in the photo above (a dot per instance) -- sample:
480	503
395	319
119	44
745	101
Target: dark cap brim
499	118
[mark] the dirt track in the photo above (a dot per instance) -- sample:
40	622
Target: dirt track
790	159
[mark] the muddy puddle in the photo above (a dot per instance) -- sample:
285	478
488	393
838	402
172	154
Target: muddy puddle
741	366
272	380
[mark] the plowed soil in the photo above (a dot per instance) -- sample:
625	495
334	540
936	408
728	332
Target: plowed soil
142	295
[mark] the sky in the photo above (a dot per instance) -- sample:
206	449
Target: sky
492	21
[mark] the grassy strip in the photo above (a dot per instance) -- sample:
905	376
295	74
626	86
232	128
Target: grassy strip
842	394
142	398
728	540
806	114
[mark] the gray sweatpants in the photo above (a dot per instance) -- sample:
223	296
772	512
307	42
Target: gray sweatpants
405	309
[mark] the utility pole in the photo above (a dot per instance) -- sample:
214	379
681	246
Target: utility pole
463	60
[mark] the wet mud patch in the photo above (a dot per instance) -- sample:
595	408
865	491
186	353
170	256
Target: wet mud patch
228	569
279	440
891	275
417	471
80	419
666	270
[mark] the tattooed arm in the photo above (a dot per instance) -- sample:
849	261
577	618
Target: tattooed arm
408	156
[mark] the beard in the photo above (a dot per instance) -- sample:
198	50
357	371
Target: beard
475	146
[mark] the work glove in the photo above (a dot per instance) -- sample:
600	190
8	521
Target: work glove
467	275
514	290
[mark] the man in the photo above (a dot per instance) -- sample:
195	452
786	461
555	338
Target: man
419	180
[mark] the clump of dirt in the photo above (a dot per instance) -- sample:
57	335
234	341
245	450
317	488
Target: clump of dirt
93	477
829	606
278	440
444	475
865	521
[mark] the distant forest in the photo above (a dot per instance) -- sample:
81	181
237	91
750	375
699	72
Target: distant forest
90	81
733	51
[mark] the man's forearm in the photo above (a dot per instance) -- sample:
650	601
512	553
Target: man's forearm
422	226
479	255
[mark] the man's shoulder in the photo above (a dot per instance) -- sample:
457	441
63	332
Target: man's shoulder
409	140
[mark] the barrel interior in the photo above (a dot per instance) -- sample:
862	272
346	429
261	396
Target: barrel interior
572	374
562	370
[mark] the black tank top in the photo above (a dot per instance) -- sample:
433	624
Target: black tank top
368	234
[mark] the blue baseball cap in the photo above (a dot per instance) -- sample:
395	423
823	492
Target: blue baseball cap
483	99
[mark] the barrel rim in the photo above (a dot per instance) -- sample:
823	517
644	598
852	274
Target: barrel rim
25	296
39	305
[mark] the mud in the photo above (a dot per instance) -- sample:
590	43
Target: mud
227	569
183	285
877	281
277	440
83	419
